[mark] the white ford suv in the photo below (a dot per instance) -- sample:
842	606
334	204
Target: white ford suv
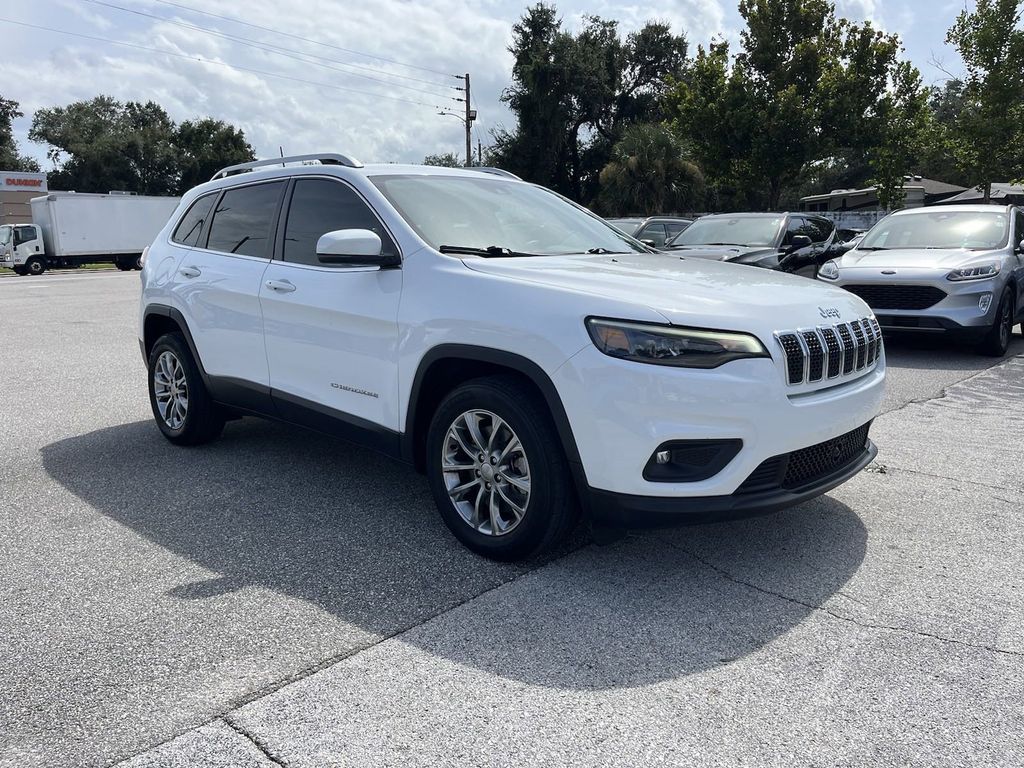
534	361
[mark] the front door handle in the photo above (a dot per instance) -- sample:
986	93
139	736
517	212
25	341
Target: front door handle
281	286
190	271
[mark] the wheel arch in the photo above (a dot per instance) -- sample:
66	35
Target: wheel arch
447	366
159	319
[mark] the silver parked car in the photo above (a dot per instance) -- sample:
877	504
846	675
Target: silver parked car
956	269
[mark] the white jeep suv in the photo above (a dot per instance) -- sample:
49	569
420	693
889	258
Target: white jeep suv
534	361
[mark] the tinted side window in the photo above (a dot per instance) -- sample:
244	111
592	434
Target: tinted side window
244	220
655	232
1018	234
821	229
23	235
319	206
795	227
191	225
673	228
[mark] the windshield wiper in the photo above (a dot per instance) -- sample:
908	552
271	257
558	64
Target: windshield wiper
872	248
490	252
604	250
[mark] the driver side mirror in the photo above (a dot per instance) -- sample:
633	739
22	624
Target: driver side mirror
1020	247
798	242
354	247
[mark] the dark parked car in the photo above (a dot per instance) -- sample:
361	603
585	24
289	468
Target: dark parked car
654	230
791	242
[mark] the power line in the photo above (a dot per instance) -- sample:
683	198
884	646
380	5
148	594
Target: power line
201	60
286	52
304	39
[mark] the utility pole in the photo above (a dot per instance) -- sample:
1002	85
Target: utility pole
479	152
468	120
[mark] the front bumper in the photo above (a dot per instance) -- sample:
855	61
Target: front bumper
959	312
620	412
619	510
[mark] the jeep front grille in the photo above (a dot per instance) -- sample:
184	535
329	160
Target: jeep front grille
830	351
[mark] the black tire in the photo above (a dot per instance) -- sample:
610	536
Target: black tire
203	420
997	340
35	266
137	263
125	265
550	509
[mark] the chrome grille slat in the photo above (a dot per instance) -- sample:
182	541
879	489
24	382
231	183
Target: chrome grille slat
814	355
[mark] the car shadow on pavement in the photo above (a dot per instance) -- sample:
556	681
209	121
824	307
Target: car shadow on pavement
357	535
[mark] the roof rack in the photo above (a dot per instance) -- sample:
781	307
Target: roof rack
325	158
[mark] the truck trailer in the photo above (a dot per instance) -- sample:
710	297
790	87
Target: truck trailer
69	229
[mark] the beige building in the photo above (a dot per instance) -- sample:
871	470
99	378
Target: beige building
16	189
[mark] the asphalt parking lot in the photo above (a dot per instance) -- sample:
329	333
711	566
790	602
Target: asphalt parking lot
280	598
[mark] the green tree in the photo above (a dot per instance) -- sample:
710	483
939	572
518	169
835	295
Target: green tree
446	160
101	145
573	95
806	95
985	136
202	147
901	120
650	172
10	158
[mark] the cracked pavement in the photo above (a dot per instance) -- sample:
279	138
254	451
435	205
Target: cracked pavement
281	599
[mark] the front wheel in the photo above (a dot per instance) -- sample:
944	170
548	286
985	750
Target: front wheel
997	340
497	470
35	266
183	409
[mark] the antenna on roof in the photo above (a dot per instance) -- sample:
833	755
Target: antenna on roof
281	150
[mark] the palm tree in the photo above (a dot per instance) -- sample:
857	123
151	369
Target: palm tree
650	172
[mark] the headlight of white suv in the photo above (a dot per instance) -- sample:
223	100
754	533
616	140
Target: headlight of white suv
669	345
975	272
829	270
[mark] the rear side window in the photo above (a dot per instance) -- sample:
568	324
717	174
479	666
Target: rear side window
244	220
191	225
319	206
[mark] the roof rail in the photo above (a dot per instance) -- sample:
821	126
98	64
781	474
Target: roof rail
493	171
325	158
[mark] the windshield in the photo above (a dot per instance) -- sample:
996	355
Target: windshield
939	229
730	230
5	234
485	212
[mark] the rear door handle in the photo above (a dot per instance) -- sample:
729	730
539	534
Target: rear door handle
281	286
190	271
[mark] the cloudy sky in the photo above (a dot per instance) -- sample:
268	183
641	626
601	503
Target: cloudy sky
367	78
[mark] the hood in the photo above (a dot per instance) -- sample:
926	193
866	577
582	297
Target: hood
720	252
914	258
688	291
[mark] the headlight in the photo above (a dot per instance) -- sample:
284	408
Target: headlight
669	345
977	272
829	270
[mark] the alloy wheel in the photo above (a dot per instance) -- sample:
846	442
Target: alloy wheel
170	388
486	472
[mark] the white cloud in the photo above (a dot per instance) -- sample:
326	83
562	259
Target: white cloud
450	36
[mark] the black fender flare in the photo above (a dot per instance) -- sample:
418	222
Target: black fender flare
515	362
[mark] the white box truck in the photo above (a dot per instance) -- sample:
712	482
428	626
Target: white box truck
69	229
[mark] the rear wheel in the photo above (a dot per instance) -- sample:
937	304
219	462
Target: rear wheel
997	340
497	471
35	266
182	407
